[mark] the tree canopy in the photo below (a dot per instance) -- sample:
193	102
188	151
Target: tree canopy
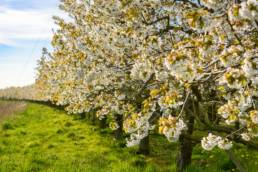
176	66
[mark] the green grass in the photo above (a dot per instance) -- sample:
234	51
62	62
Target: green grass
48	140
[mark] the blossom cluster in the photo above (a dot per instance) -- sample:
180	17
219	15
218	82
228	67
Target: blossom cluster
209	142
171	127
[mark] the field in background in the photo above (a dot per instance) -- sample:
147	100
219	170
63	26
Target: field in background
8	108
45	139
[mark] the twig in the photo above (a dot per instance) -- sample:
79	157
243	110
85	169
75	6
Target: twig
183	105
235	132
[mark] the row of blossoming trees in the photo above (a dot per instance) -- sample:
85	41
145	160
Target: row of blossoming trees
179	66
21	93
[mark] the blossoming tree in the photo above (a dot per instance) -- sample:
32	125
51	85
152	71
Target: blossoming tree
180	66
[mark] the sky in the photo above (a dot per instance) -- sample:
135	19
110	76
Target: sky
26	27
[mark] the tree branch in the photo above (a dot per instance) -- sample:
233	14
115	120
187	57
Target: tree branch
156	21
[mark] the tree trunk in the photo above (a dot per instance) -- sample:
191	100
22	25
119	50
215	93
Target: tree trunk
184	156
119	130
185	153
144	146
103	123
93	117
82	115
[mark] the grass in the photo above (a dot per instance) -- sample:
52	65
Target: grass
44	139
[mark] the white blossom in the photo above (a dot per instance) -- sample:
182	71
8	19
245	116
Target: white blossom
172	128
254	116
209	142
225	144
142	70
244	11
213	4
246	136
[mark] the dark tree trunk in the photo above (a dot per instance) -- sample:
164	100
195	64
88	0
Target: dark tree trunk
185	153
119	130
82	115
103	123
87	116
144	146
184	156
93	117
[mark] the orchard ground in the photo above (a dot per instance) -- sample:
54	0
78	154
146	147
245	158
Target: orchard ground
42	138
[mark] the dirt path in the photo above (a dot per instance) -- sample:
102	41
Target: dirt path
8	108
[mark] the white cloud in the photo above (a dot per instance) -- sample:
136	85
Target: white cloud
25	31
21	25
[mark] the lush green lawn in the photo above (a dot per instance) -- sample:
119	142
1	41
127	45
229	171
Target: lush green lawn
45	139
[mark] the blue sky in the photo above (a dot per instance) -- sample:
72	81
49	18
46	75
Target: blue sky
25	27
